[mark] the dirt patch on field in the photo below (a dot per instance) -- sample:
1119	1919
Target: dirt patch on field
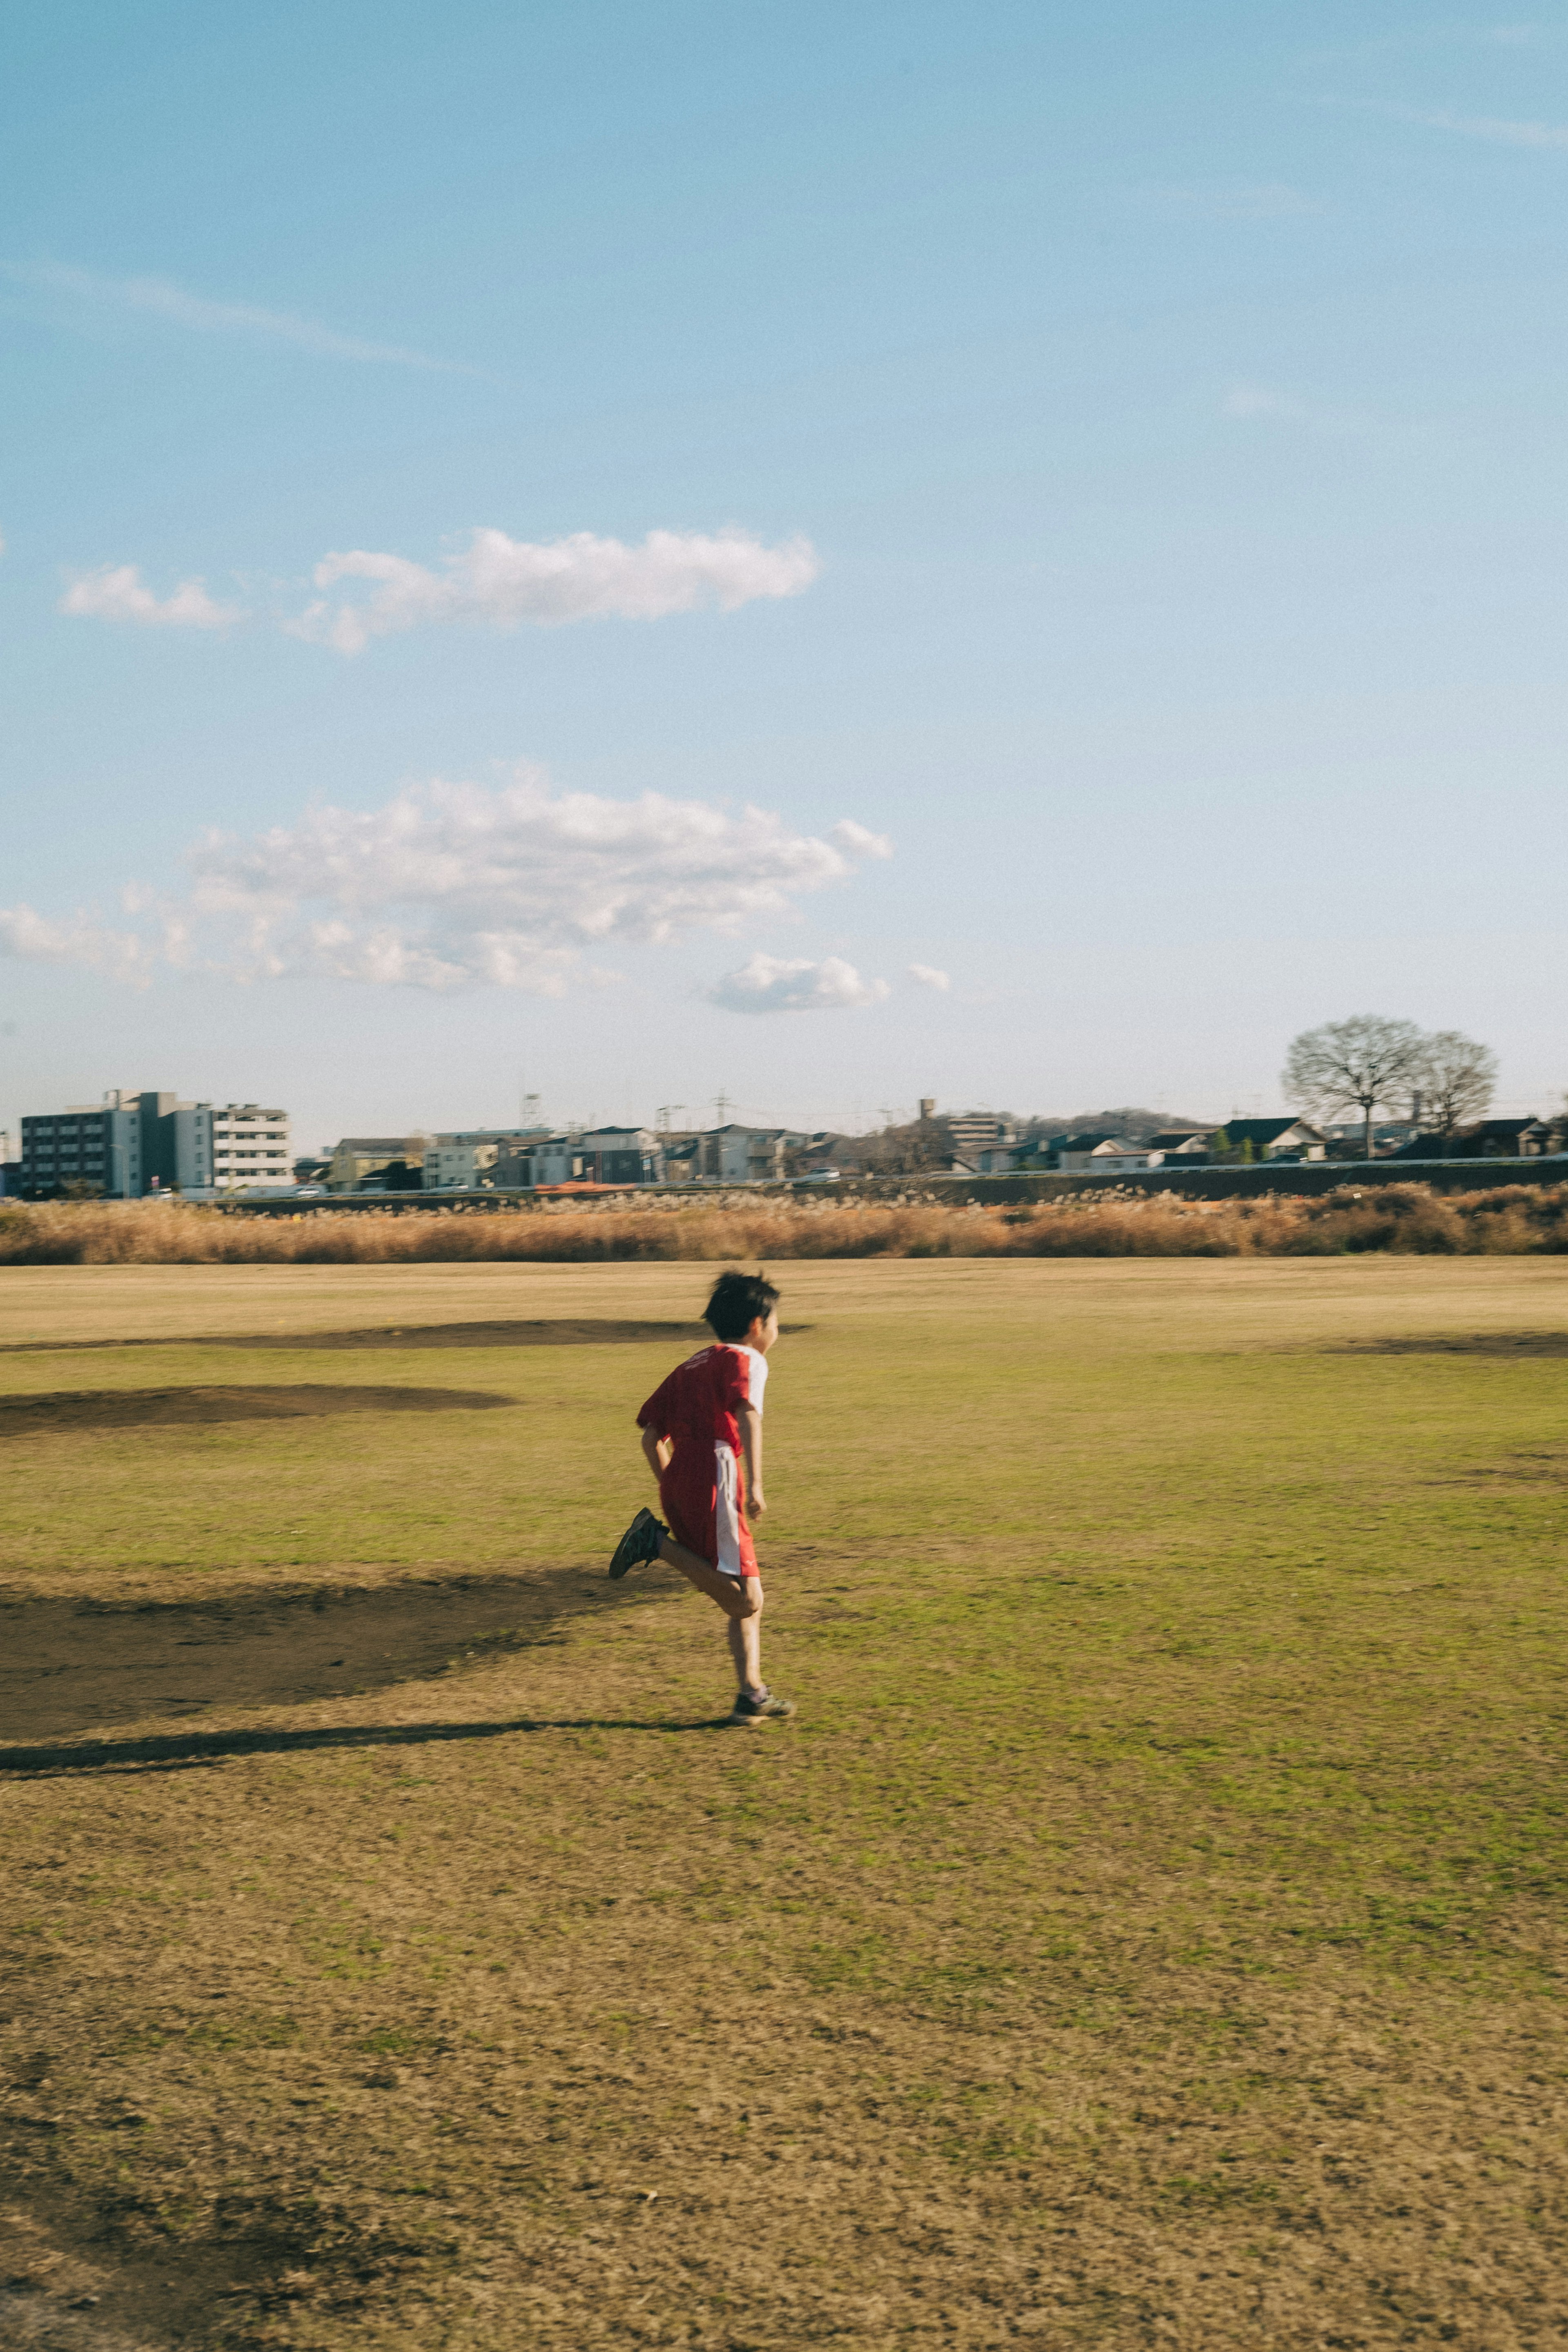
1505	1344
66	1668
1543	1468
73	1408
568	1331
70	2282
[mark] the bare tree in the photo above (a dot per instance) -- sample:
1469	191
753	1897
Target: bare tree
1457	1079
1360	1061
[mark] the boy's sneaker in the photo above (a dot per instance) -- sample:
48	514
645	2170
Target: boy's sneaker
639	1544
754	1711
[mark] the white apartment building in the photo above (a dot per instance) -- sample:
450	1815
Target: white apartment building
230	1147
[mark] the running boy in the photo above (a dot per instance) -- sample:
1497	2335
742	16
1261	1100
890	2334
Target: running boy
698	1427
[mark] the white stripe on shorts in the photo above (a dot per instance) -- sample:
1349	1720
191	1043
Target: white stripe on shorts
727	1510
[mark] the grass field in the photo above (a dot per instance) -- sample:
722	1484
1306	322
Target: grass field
1148	1933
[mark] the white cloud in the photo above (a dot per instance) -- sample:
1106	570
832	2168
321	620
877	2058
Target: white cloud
1487	126
794	984
929	976
120	593
123	955
507	582
160	299
1258	403
1248	400
1494	128
450	886
1236	200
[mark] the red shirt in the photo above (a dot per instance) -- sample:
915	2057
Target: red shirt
696	1405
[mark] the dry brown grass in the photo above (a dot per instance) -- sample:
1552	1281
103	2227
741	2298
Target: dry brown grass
1408	1219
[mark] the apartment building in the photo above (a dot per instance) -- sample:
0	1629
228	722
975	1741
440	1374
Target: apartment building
97	1144
230	1147
979	1130
130	1145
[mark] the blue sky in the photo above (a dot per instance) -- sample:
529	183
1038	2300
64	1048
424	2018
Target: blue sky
1110	459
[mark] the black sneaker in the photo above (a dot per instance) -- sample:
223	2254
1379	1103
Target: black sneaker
639	1544
754	1711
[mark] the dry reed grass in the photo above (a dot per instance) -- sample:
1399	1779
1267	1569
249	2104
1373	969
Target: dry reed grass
1407	1219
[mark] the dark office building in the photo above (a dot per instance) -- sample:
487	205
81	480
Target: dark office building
116	1147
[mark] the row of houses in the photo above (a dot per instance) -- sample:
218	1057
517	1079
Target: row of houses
1258	1141
509	1159
1238	1138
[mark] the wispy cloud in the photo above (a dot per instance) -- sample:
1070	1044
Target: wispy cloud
455	885
1248	400
1235	200
118	593
1498	129
928	976
795	984
81	939
159	298
1265	404
505	582
1412	39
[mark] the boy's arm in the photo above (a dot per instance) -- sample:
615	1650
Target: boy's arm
750	1425
657	1450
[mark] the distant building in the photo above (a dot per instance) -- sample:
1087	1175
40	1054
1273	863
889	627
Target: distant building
1270	1139
480	1159
1488	1138
1507	1138
95	1144
620	1155
549	1159
358	1158
748	1155
978	1130
130	1145
1103	1155
1179	1143
230	1147
681	1158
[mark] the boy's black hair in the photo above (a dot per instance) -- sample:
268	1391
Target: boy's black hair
738	1299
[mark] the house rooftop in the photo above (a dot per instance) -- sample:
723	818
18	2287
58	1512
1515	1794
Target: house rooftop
1263	1131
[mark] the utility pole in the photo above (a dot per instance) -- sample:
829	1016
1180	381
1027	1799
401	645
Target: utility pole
662	1114
722	1104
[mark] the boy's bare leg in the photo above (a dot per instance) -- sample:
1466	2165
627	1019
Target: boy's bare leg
738	1596
746	1637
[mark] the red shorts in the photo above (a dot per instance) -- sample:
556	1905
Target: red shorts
708	1513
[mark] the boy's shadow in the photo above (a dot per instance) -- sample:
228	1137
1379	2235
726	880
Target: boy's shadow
184	1751
71	1669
